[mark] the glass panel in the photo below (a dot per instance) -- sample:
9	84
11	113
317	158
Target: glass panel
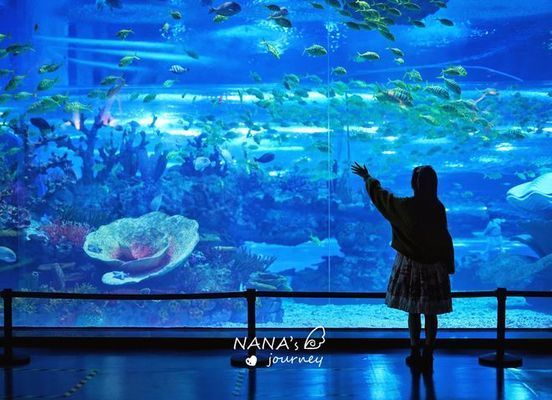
159	147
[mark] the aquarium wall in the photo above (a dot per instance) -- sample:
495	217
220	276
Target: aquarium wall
191	146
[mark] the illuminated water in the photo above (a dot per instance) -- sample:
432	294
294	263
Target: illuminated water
256	146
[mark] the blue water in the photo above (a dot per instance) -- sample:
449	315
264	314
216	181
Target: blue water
248	150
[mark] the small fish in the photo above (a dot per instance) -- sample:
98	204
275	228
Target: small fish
265	158
457	70
114	90
36	27
46	84
279	13
192	54
42	124
75	106
4	36
4	72
226	9
17	49
23	96
271	49
219	19
418	23
100	4
316	5
149	98
7	255
169	83
339	71
316	50
124	33
438	3
165	28
110	80
178	69
176	14
14	82
47	68
353	25
200	163
445	21
396	51
411	6
127	60
399	60
334	3
367	55
283	22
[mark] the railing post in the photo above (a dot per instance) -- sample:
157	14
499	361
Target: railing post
9	359
250	358
500	359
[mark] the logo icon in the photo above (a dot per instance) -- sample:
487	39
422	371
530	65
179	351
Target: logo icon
312	342
251	360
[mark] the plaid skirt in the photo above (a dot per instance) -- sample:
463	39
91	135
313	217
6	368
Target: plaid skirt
418	288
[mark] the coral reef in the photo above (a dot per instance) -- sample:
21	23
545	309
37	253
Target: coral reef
144	247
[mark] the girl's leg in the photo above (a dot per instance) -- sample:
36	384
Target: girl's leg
414	328
430	330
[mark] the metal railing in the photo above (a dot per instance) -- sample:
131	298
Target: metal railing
497	359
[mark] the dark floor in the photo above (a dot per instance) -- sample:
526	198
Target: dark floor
113	375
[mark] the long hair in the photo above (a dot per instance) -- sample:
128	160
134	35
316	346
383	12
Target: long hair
424	182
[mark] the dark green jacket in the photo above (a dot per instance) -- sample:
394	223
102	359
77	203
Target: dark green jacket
419	227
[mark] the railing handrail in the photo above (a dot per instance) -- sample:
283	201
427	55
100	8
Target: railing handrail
258	293
500	358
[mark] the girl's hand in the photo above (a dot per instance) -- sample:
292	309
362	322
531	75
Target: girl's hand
360	170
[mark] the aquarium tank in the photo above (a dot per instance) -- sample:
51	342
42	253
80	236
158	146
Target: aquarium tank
185	146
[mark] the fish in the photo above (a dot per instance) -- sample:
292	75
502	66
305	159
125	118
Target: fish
149	98
127	60
175	14
4	36
14	82
418	23
7	255
41	124
100	4
456	70
226	9
271	49
334	3
367	55
36	27
339	71
178	69
47	68
280	12
110	80
396	51
399	60
316	50
283	22
169	83
452	85
46	84
201	162
265	158
219	18
124	33
75	106
23	96
445	21
4	72
16	49
438	3
192	54
316	5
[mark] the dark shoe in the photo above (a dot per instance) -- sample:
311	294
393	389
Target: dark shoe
414	359
427	359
